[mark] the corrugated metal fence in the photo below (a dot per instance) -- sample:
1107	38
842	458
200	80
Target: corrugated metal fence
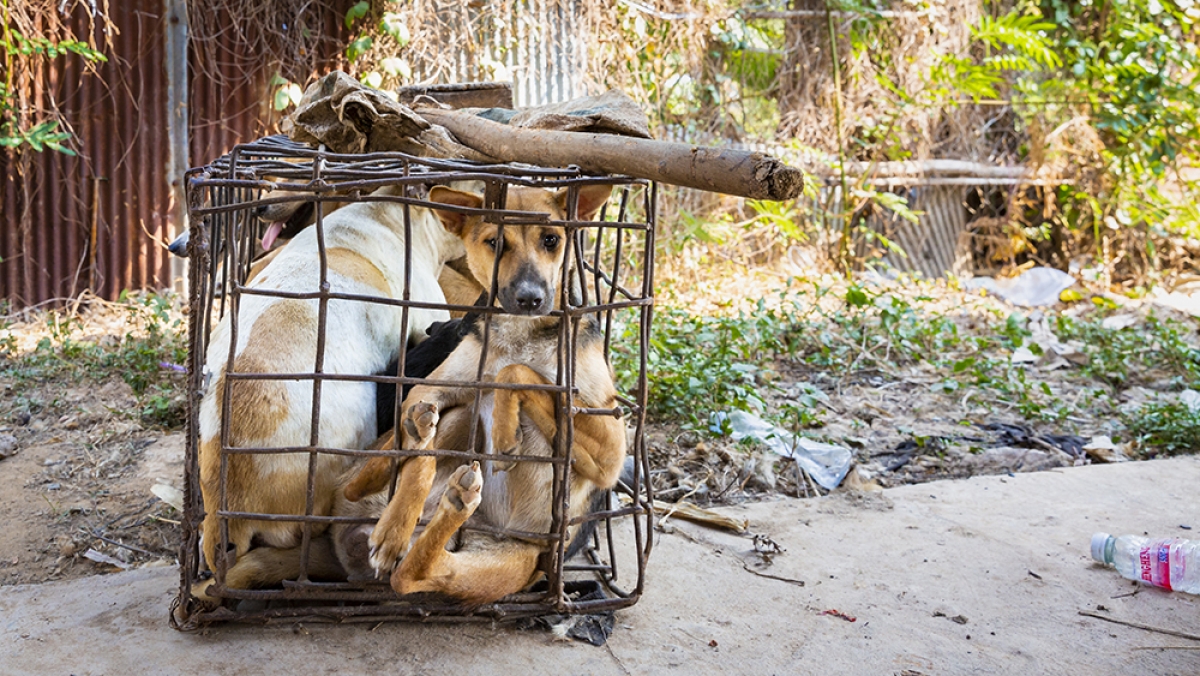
76	222
540	45
99	220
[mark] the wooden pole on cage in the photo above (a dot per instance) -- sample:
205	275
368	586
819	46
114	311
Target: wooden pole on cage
724	170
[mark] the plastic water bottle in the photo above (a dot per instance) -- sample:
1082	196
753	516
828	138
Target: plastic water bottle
1170	563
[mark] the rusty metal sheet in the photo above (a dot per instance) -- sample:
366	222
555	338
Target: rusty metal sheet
100	220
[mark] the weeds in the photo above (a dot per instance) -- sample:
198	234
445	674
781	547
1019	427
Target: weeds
1132	355
1170	427
699	364
154	340
702	364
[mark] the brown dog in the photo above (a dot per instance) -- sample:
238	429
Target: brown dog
522	350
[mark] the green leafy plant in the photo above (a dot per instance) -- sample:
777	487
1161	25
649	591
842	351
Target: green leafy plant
373	50
287	93
1169	428
43	134
148	357
157	338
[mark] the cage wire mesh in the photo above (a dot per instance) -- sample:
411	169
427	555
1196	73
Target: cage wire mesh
610	262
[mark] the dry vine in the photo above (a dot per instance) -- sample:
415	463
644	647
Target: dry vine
51	21
238	41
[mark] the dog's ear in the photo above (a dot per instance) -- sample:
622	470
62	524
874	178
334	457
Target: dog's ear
453	220
591	198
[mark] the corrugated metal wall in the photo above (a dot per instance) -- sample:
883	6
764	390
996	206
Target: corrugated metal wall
99	220
542	45
934	245
76	222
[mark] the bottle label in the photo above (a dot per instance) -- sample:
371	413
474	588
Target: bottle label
1155	563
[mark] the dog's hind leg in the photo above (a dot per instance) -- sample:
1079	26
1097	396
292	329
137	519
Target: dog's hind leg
268	566
374	475
473	576
390	538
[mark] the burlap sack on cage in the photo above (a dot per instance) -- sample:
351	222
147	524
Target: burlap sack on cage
349	117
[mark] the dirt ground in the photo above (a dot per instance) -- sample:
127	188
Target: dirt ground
80	482
79	461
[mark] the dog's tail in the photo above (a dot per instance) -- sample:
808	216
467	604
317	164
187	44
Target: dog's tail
583	536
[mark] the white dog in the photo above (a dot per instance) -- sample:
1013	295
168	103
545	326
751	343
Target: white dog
365	250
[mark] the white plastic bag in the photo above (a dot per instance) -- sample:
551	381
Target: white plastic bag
827	464
1033	288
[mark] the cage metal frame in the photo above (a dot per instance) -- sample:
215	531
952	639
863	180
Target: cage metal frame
273	170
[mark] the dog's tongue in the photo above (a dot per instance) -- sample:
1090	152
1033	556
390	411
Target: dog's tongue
271	234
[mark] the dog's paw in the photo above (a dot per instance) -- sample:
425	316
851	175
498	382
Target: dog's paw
386	554
420	424
200	593
506	442
463	490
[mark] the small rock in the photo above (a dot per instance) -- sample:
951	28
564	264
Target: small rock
763	470
53	487
21	418
1118	322
1102	449
8	445
856	481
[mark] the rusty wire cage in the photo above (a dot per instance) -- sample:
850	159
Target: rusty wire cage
611	262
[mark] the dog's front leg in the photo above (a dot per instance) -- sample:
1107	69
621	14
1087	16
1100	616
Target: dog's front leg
538	407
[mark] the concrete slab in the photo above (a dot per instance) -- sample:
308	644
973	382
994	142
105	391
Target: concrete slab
1007	557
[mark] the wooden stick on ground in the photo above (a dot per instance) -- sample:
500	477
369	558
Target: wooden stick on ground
688	511
724	170
1139	625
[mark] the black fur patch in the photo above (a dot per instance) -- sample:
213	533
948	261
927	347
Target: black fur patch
584	536
418	363
305	216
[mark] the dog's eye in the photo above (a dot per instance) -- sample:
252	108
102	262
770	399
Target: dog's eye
491	242
550	242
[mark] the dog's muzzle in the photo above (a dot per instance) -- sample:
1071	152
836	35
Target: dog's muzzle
530	297
180	246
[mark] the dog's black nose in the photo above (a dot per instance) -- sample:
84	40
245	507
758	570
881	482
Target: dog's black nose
530	300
